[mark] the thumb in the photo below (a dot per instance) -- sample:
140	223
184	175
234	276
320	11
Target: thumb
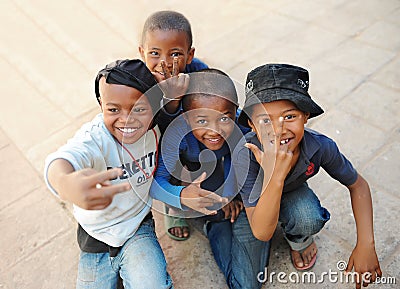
158	76
200	179
255	150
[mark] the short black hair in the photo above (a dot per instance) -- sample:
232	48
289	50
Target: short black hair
209	82
168	20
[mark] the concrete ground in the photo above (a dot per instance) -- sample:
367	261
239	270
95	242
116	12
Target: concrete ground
51	51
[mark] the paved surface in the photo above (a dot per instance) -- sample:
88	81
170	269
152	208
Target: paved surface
51	50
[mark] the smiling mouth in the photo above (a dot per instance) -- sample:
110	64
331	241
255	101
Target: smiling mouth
214	140
127	131
284	141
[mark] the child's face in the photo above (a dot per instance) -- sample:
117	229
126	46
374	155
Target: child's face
265	121
211	120
127	112
165	45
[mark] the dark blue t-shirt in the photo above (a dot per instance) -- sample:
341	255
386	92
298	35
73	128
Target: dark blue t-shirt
316	151
195	65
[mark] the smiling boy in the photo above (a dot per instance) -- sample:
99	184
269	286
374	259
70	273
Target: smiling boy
116	232
281	155
166	48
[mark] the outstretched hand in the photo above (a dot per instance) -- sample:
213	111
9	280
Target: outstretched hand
198	199
92	190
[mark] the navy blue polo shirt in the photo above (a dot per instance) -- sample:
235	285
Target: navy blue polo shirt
316	151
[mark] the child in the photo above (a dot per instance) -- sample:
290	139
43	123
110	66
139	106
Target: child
166	48
116	229
277	107
201	140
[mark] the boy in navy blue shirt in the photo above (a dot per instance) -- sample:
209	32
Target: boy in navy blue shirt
166	48
276	109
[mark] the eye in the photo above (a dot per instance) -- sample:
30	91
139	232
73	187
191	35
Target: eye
290	117
153	53
139	109
224	119
176	54
113	110
201	121
265	121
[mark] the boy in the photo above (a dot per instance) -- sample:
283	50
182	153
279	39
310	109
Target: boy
277	107
200	142
116	229
166	48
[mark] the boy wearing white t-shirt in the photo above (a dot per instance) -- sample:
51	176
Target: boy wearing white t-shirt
106	171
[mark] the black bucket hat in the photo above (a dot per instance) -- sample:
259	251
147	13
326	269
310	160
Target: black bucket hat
271	82
132	73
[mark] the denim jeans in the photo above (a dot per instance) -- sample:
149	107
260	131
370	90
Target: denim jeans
239	255
140	263
301	216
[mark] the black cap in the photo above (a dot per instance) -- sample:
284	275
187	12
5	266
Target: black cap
132	73
271	82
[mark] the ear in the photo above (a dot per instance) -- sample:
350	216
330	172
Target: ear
141	51
190	55
306	117
251	125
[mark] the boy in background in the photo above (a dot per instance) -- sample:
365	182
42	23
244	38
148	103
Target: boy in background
166	48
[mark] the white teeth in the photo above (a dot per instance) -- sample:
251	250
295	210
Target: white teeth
284	141
128	130
213	139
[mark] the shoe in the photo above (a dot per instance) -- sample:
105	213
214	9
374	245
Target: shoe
173	222
305	267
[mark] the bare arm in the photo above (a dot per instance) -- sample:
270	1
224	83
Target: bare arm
86	188
363	257
275	161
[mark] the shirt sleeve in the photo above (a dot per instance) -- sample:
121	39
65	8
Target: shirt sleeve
249	176
81	152
337	165
195	65
168	161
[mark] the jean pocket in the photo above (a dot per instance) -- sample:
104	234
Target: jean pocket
87	267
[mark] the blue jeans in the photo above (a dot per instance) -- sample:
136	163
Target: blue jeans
239	255
301	216
140	263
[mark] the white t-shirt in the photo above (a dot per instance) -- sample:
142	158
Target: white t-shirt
94	147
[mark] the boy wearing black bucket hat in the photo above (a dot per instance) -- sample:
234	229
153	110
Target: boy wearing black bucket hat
277	107
106	171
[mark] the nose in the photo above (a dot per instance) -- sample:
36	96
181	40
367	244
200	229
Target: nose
127	117
214	129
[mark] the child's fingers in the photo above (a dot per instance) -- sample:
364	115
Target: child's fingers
165	69
200	179
111	191
278	133
379	271
175	67
349	265
265	133
213	197
187	80
105	176
158	76
255	150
